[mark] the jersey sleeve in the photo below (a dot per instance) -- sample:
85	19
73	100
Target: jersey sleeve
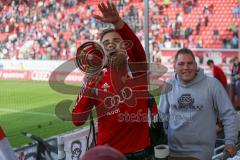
83	106
136	53
137	57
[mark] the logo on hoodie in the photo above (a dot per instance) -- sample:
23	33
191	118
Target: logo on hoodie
185	101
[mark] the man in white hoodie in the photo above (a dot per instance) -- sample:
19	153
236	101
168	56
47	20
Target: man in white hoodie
191	108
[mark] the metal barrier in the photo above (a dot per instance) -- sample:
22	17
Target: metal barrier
66	146
74	144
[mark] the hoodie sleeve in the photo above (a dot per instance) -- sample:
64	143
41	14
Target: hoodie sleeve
227	113
163	110
164	105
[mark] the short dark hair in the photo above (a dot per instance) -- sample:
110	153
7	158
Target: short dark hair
184	51
105	31
210	61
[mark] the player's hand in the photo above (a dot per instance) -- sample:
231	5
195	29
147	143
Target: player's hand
92	81
118	57
231	149
109	13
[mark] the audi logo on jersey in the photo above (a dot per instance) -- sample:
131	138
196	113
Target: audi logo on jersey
112	101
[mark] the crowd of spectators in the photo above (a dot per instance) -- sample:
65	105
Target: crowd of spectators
236	12
176	34
231	38
45	29
53	29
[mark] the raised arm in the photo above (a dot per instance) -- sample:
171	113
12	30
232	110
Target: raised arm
111	15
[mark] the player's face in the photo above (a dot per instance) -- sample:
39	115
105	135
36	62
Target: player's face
185	67
111	42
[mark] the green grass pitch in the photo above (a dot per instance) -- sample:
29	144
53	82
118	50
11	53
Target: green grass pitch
30	106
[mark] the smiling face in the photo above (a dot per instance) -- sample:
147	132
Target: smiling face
111	42
186	67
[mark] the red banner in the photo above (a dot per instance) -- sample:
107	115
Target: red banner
39	75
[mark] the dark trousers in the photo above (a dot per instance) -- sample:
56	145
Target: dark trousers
182	158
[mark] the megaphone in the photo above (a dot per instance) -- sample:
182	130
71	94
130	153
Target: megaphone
90	58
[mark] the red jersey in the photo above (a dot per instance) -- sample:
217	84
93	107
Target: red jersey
219	74
123	127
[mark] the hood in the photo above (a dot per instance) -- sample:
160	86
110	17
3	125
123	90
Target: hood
199	77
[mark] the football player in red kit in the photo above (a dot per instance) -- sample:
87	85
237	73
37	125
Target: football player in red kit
121	104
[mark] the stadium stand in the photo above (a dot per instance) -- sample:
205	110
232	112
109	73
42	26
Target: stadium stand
52	29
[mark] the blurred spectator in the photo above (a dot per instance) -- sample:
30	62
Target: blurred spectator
161	8
179	18
206	21
200	19
215	34
174	3
165	19
235	77
189	4
176	34
179	3
234	42
218	73
191	43
235	33
233	27
198	28
103	153
185	7
199	43
167	44
195	3
132	11
236	12
183	32
166	3
226	42
206	10
189	31
211	8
